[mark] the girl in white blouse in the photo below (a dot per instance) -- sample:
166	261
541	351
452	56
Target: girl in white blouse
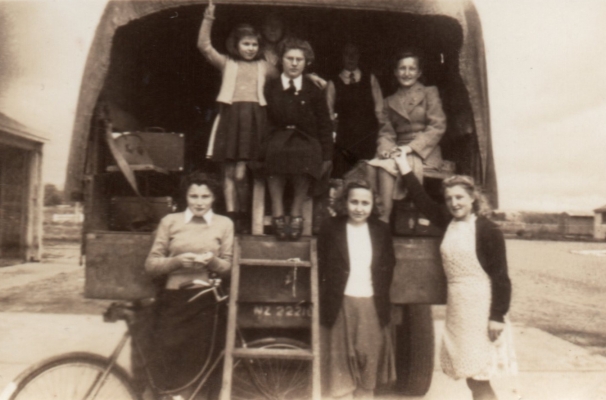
356	261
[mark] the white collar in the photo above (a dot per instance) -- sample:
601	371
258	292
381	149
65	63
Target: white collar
298	81
345	75
208	217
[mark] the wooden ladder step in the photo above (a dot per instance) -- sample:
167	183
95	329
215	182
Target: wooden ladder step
296	354
274	263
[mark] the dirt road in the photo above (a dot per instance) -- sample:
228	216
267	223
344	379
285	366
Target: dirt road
555	290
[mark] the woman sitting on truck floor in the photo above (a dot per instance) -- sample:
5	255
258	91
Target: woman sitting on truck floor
355	262
413	123
477	342
299	139
188	245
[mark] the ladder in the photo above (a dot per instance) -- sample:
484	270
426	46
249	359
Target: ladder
266	274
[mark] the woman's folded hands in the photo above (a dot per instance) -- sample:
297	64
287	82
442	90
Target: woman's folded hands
195	261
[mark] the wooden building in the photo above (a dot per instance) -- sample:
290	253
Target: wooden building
577	223
599	223
21	192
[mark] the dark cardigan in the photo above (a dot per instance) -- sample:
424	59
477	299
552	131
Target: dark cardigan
333	263
490	246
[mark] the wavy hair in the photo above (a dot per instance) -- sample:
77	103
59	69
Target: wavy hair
480	204
296	44
348	186
200	178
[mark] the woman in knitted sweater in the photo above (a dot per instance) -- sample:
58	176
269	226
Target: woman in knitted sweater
188	245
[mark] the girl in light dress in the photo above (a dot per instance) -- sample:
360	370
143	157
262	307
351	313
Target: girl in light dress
243	119
477	343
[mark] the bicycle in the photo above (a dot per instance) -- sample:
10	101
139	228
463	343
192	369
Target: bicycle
89	376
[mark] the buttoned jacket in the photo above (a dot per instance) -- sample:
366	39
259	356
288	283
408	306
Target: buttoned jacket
413	117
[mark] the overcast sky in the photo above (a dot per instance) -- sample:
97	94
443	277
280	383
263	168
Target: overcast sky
547	83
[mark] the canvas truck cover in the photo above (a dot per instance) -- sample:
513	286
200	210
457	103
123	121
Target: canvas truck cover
472	64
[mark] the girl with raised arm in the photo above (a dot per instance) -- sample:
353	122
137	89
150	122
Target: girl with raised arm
243	119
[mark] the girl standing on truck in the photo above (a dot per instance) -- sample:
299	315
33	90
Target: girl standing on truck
413	123
355	263
477	342
243	119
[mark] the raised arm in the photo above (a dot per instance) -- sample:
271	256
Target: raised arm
435	127
204	44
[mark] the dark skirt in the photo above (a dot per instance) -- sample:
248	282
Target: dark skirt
292	151
240	132
182	337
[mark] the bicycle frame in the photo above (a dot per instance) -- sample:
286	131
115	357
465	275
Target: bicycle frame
213	286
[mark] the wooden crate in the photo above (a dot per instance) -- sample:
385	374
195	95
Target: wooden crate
418	277
115	266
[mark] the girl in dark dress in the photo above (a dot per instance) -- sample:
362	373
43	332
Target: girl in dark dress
299	143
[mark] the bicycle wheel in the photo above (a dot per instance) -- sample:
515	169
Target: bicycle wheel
272	378
71	376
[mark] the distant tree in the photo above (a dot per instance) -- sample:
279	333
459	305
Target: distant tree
52	195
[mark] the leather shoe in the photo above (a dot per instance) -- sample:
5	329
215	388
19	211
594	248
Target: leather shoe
279	228
296	228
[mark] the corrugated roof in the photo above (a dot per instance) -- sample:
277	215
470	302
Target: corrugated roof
9	125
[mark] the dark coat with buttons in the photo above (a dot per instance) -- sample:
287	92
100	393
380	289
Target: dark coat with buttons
299	136
333	263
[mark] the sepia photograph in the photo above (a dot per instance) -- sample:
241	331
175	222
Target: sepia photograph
302	199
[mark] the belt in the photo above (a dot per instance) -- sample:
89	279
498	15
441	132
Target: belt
403	138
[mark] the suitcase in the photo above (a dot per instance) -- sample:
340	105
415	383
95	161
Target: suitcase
165	150
408	221
139	214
